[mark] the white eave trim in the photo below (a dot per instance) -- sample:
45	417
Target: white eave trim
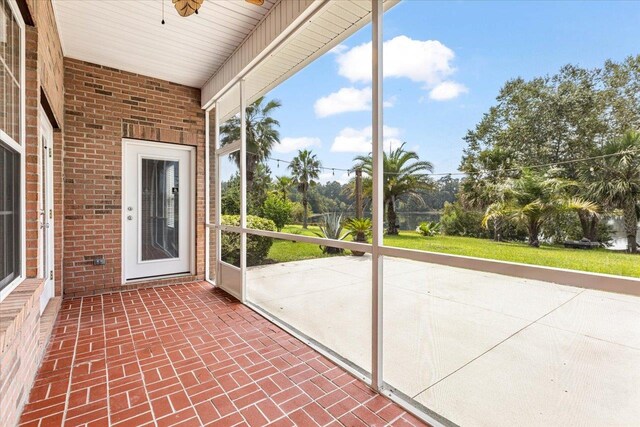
282	20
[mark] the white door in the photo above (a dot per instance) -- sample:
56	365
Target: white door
157	209
45	202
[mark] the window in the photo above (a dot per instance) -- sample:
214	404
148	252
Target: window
11	147
9	216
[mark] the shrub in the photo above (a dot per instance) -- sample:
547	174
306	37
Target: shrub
566	226
230	197
257	246
429	228
297	212
457	221
360	229
277	210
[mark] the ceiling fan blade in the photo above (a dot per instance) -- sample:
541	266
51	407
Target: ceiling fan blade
255	2
187	7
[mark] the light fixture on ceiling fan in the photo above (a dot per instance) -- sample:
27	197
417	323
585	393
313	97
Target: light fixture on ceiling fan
189	7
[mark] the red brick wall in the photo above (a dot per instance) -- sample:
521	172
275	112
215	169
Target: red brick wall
51	83
102	106
44	75
21	327
32	153
51	61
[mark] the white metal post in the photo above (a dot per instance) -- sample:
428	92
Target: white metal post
243	190
207	192
378	208
218	187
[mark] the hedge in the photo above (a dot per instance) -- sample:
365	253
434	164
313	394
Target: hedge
257	246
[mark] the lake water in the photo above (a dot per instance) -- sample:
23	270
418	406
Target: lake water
619	236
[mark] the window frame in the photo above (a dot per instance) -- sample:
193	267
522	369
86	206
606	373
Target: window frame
19	147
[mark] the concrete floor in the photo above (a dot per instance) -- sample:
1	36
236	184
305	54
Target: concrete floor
479	349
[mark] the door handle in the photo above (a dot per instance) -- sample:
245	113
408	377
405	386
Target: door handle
129	217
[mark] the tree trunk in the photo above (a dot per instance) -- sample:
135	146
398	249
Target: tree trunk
305	205
631	225
589	223
359	193
392	218
534	231
595	220
497	230
251	172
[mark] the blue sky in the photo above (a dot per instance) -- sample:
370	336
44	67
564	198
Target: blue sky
449	61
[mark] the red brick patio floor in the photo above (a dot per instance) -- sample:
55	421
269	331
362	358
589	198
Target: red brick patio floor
190	355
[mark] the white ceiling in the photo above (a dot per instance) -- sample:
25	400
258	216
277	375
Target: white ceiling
128	35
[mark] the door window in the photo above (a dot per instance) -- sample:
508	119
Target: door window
159	209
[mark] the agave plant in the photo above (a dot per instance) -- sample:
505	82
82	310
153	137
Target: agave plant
331	228
429	228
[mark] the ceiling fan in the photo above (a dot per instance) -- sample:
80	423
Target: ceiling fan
189	7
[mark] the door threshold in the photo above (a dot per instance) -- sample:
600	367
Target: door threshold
162	277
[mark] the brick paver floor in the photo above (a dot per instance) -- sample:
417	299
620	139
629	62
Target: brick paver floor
190	355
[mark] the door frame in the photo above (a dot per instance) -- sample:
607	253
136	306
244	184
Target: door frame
46	193
235	275
192	207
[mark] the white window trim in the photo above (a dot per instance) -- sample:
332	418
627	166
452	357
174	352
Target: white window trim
20	148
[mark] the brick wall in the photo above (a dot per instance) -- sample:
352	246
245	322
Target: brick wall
102	106
21	344
21	349
23	337
51	84
44	77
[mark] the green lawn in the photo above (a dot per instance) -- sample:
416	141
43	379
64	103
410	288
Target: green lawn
286	250
597	261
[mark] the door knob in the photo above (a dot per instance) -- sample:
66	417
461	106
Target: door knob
129	217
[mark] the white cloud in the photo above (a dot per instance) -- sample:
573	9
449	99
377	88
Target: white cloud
340	176
428	62
338	49
351	140
345	100
288	145
447	90
390	102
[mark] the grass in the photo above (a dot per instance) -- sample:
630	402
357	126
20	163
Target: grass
286	250
595	260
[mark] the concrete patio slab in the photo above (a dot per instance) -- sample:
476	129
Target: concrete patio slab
427	338
477	348
526	299
596	315
543	376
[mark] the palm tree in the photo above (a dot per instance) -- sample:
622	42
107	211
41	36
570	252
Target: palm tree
305	170
262	134
615	181
404	175
282	186
532	200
